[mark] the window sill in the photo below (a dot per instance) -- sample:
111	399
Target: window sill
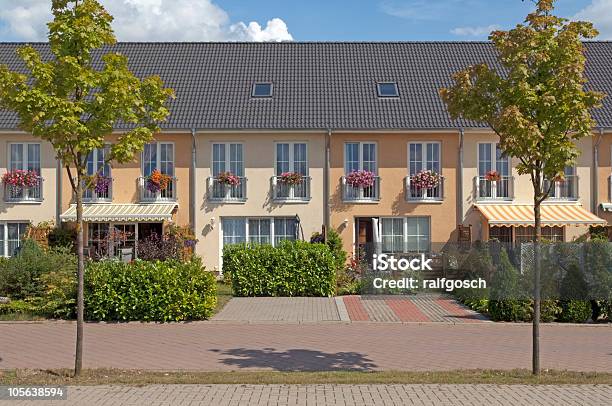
425	201
291	201
227	201
361	201
23	201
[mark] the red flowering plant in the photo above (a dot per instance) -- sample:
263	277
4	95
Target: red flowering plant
362	179
17	179
493	176
425	179
290	178
157	181
228	178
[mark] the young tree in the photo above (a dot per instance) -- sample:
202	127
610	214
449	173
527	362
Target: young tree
74	103
537	106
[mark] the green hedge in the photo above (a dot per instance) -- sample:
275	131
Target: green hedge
149	291
294	268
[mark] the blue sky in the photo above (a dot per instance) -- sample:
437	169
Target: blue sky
309	20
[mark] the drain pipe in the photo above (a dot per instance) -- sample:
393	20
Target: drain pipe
595	176
460	203
192	182
58	194
326	182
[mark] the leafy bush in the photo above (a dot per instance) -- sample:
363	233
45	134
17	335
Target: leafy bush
574	291
294	268
149	291
62	237
160	248
504	303
20	275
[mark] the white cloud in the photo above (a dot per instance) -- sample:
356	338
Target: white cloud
420	9
474	31
599	12
146	20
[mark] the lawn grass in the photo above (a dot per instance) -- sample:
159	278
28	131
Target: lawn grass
224	294
140	377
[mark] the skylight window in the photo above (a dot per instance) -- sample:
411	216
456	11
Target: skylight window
262	90
387	89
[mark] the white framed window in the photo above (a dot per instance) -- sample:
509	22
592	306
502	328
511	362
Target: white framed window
292	157
11	237
158	155
262	89
227	157
387	89
490	159
423	156
96	161
360	156
24	156
258	230
405	234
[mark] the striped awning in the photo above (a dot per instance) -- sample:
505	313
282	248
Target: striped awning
122	212
552	215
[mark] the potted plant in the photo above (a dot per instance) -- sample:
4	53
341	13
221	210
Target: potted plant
228	179
99	183
360	179
157	181
290	178
425	180
18	179
493	176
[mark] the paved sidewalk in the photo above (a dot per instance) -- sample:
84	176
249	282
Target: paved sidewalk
389	309
345	395
210	346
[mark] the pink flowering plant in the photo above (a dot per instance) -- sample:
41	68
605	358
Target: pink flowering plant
361	178
228	178
98	183
425	179
18	179
290	178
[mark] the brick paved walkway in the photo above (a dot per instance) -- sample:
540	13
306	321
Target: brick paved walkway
345	395
388	309
210	346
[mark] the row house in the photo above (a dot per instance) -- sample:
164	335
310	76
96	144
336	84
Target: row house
323	111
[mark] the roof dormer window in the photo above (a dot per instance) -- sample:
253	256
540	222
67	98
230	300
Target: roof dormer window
262	89
387	89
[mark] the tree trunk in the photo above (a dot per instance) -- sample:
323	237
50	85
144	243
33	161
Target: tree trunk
536	289
78	360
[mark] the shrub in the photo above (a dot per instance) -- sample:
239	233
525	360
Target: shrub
294	268
149	291
20	275
160	248
62	237
574	292
504	305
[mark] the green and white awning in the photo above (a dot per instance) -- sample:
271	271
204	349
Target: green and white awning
122	212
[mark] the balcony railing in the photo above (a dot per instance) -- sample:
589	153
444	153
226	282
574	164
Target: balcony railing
361	194
566	189
435	194
19	194
91	196
282	191
167	195
222	192
502	189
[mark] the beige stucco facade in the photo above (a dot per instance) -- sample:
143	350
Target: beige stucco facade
259	159
30	211
522	188
392	162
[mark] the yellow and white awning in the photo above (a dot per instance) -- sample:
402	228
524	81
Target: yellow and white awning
511	215
122	212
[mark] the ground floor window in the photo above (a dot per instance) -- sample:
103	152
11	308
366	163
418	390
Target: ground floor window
525	234
108	239
405	234
267	230
11	237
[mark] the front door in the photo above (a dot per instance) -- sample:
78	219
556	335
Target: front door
364	238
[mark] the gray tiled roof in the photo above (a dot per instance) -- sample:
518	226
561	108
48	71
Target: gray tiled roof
316	85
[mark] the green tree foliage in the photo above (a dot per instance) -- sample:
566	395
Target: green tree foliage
74	103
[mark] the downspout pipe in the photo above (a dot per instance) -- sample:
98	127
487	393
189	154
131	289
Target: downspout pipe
595	175
326	182
192	182
58	194
460	200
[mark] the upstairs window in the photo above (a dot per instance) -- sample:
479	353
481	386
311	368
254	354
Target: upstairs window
387	89
262	90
